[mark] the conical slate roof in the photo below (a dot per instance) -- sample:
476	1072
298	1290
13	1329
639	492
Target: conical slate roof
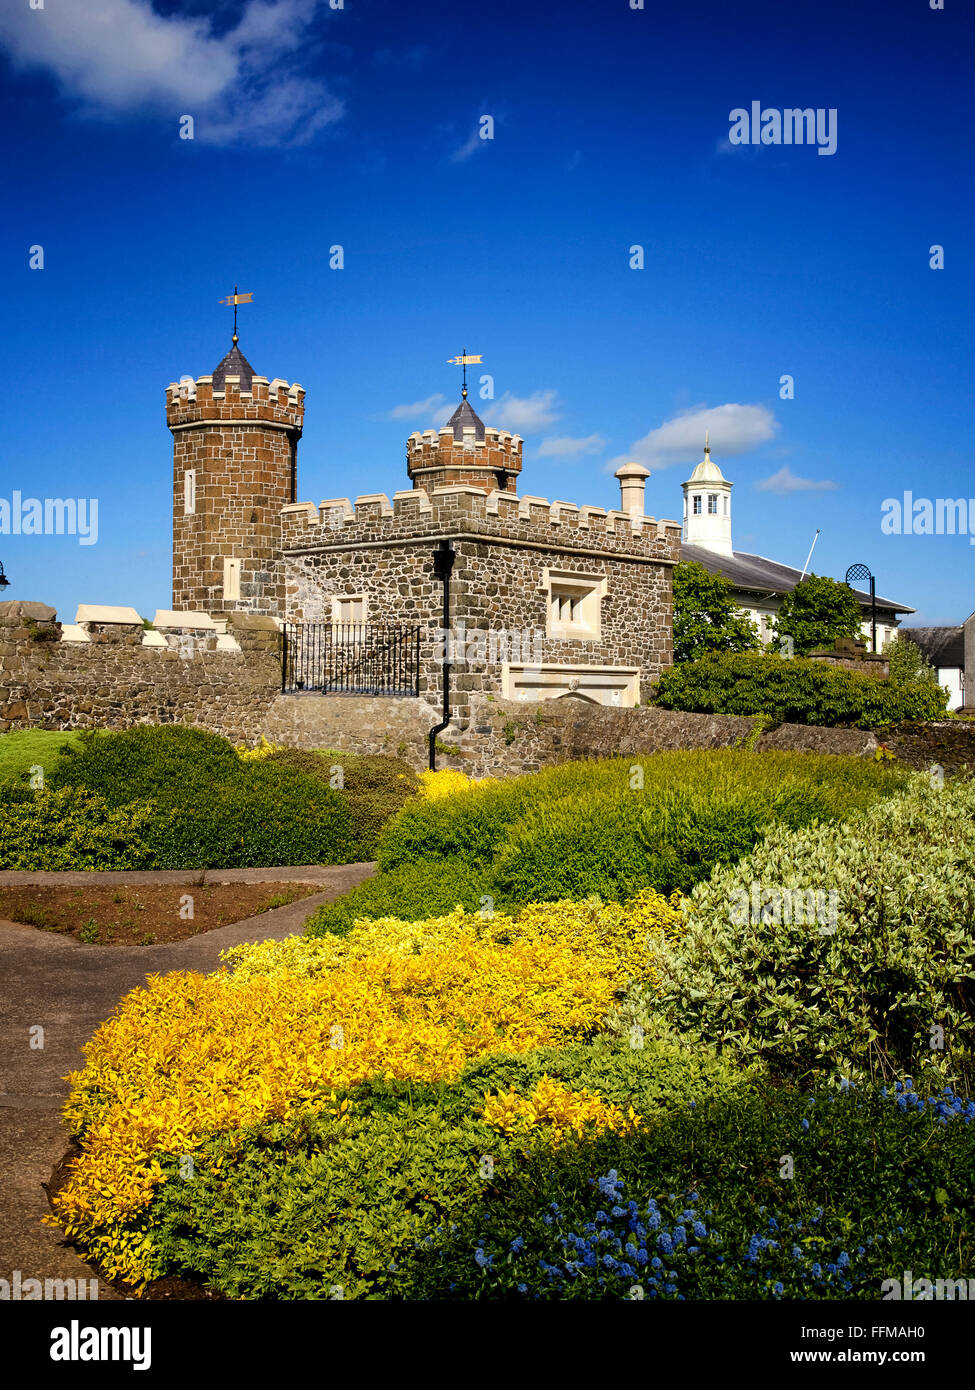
464	417
234	364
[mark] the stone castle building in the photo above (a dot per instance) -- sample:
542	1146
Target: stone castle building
547	599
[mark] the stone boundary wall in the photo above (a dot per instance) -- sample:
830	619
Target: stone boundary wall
113	674
116	675
506	738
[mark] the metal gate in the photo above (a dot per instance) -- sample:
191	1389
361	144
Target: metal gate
351	659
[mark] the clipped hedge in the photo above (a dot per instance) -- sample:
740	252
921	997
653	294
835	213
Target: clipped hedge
849	949
794	691
614	826
217	808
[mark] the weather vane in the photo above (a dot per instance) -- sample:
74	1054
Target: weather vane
236	299
462	361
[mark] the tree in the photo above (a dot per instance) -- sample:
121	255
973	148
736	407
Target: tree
907	661
706	618
817	612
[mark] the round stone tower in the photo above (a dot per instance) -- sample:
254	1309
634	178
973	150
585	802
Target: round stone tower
464	451
235	444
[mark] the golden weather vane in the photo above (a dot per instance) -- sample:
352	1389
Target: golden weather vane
462	361
236	299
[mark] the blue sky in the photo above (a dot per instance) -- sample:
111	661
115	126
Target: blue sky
360	127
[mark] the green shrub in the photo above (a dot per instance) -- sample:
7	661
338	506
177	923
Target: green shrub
853	952
170	761
71	828
303	1208
212	810
412	892
468	825
614	845
266	817
591	827
796	691
878	1186
375	786
390	1197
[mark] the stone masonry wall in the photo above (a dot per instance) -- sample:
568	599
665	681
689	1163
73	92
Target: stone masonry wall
502	545
113	681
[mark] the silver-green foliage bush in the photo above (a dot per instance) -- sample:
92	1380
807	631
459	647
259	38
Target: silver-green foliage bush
841	947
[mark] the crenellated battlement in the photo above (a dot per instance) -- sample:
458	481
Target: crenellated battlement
437	458
190	402
466	508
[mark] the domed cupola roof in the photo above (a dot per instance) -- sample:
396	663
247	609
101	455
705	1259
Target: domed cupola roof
707	471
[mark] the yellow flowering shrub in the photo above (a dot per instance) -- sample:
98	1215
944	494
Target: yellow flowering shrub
558	1109
263	750
189	1055
437	785
620	935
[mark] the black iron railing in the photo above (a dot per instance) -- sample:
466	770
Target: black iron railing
351	659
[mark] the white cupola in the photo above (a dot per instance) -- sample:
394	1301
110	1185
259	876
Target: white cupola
707	506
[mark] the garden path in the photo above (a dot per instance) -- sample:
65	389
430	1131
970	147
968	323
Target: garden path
66	988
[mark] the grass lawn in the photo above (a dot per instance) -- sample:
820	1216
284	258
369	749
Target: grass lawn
22	748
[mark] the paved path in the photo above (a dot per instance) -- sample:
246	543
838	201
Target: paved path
68	989
306	873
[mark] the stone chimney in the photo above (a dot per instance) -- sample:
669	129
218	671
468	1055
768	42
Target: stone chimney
633	481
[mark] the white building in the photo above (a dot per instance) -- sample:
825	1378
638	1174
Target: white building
949	650
759	583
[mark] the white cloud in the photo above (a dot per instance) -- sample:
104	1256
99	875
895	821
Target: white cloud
470	145
520	414
735	429
416	409
565	446
785	482
116	57
524	414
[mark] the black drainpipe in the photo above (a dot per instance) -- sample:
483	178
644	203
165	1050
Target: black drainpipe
443	563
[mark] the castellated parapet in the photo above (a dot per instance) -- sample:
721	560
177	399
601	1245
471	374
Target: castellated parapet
235	438
495	514
438	458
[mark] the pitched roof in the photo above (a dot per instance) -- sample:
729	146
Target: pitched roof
755	573
234	364
942	646
464	417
